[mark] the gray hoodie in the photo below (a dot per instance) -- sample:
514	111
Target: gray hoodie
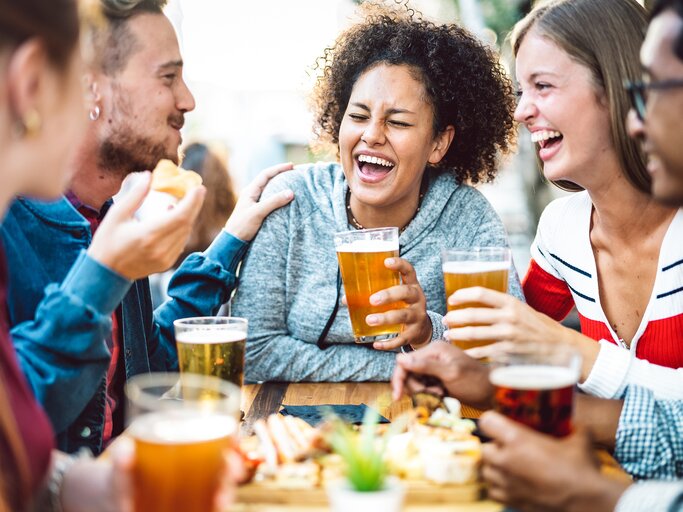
288	281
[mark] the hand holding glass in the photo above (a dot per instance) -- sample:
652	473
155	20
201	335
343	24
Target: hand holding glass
361	255
534	385
488	267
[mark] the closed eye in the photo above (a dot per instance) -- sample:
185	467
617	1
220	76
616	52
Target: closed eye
358	117
400	124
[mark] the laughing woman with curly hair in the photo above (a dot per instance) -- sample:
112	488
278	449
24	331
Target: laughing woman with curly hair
417	112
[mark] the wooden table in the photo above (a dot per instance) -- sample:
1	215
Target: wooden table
260	400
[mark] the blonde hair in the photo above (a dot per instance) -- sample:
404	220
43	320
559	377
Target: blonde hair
605	37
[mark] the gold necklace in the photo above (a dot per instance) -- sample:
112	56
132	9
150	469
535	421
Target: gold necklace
357	225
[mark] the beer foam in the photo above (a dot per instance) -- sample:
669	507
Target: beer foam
369	246
530	377
474	267
211	336
182	427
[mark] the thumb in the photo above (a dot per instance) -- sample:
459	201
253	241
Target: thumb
134	190
500	428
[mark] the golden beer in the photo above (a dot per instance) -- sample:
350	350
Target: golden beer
363	274
213	352
180	459
462	269
361	256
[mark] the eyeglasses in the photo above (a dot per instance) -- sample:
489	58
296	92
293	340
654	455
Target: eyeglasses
638	92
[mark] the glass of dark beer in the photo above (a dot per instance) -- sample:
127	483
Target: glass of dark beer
534	385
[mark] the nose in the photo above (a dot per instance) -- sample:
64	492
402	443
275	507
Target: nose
373	134
184	98
526	109
634	125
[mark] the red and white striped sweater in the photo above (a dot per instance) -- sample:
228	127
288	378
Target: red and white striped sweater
563	273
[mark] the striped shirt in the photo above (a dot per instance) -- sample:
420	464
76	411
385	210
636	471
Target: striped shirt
563	274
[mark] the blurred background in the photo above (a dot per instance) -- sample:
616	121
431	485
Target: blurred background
250	67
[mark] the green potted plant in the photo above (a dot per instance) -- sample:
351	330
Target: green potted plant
367	486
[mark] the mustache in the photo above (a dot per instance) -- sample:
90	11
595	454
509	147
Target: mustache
177	120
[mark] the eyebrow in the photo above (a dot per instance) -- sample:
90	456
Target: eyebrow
171	64
540	73
389	112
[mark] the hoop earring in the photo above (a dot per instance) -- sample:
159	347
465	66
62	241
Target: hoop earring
94	114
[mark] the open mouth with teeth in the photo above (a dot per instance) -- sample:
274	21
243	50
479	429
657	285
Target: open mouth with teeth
373	167
546	138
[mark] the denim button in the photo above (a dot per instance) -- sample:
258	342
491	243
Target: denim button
85	432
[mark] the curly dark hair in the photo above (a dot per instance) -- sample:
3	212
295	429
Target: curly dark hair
465	83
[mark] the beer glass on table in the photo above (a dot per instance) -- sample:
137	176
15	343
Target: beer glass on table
182	426
361	255
488	267
212	345
534	385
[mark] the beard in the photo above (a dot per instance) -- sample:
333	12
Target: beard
122	151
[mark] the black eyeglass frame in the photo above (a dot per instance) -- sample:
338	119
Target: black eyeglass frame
637	90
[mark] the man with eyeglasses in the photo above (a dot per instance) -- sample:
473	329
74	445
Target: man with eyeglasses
532	471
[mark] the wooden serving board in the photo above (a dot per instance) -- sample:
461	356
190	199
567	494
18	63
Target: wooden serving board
418	492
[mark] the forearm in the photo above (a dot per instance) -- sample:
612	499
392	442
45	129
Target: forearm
285	358
62	350
597	493
600	417
201	285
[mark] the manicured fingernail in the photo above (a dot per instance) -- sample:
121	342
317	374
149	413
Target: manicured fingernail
372	319
376	298
389	261
288	193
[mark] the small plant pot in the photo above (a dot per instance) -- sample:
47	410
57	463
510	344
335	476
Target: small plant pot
344	498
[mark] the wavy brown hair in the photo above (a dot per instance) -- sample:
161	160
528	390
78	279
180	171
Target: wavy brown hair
605	37
466	85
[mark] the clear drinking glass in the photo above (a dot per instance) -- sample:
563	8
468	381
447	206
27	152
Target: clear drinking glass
182	425
212	345
534	385
477	266
361	255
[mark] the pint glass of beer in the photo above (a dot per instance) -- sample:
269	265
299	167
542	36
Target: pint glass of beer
182	426
534	385
212	345
478	266
361	255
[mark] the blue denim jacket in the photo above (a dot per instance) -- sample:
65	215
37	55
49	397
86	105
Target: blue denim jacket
60	304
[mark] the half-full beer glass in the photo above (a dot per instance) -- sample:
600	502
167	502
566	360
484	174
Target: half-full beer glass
182	426
212	345
361	255
477	266
534	385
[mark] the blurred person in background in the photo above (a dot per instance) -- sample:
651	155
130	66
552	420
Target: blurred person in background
611	249
416	111
219	202
78	352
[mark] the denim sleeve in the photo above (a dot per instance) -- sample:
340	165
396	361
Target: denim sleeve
62	350
200	286
649	441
